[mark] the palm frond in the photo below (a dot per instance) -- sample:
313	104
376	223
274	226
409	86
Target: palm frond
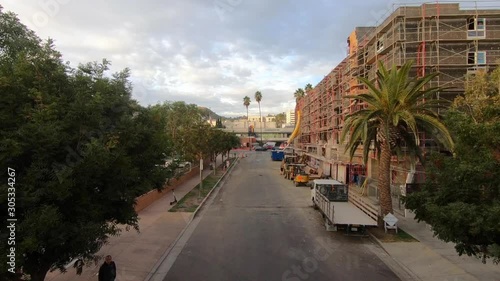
397	107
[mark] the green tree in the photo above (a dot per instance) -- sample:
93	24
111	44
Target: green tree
81	148
299	93
461	196
218	123
181	119
246	103
280	119
221	142
308	87
231	141
396	109
258	98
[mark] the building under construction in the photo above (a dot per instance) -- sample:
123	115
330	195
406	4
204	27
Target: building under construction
437	37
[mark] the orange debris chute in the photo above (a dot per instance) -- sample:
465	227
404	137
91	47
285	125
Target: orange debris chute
295	131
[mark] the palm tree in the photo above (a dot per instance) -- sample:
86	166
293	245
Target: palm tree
308	87
396	110
246	103
299	93
258	98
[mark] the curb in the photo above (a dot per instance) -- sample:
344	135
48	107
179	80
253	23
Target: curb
154	269
410	273
210	192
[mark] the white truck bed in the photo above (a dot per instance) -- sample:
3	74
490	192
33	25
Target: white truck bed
347	213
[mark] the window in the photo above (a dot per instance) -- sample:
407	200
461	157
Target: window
471	58
476	28
380	44
481	58
480	24
476	58
471	24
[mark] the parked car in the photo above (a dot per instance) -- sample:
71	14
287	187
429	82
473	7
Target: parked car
270	145
260	148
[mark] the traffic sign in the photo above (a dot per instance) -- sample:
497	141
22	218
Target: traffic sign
390	219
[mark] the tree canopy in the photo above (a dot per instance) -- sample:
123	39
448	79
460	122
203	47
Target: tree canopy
461	196
396	109
308	87
280	119
246	103
81	148
298	94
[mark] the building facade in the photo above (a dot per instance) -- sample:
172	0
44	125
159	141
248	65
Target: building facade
290	117
437	37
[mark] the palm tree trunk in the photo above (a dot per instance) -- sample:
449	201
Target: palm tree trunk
260	113
384	175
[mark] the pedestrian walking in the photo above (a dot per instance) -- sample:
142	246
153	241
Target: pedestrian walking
227	164
107	271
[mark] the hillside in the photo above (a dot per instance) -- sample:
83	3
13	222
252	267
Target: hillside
207	113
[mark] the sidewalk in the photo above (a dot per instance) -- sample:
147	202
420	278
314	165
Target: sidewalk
432	259
135	254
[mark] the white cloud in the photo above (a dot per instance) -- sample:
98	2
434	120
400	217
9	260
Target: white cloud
187	50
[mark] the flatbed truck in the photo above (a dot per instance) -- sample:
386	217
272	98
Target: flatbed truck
332	198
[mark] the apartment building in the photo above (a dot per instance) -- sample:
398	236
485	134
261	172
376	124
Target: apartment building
290	117
437	37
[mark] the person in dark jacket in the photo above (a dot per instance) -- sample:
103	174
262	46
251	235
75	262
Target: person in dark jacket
107	272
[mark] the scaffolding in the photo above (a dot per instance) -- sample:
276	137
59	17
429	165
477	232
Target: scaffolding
437	36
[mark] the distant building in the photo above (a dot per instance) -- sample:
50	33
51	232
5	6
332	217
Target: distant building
290	117
265	131
212	122
254	118
268	119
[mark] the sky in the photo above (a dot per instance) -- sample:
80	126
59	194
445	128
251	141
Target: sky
211	53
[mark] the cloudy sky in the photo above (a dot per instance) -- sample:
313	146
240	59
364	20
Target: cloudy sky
208	52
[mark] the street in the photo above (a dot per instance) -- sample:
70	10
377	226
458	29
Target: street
261	227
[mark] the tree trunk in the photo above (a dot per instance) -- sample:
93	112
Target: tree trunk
384	174
260	113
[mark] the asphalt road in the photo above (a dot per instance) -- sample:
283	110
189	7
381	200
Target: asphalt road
261	227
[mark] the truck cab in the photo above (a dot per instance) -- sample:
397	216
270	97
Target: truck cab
332	190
